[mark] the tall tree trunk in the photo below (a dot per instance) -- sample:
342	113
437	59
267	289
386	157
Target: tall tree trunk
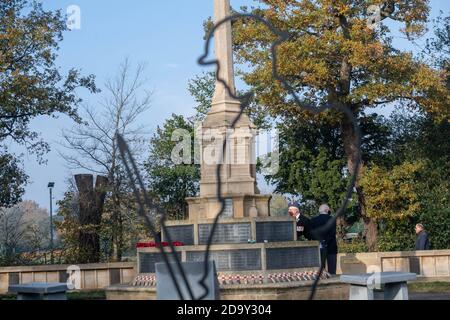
341	225
349	137
91	201
351	150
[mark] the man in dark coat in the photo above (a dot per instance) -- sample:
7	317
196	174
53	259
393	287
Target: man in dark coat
327	238
422	242
303	223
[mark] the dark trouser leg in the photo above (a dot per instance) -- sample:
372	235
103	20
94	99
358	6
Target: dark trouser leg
323	257
331	263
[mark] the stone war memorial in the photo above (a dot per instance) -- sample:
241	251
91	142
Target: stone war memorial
256	255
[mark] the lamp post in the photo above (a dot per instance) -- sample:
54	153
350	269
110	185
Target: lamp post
50	187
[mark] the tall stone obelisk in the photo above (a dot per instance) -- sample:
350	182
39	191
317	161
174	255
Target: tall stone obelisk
224	53
238	170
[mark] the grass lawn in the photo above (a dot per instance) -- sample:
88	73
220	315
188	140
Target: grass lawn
429	287
87	295
74	295
7	297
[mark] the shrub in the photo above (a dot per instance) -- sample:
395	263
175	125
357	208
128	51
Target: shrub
353	246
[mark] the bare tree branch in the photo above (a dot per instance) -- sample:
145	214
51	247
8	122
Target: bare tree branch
120	110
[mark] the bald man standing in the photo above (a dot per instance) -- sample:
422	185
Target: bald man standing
327	238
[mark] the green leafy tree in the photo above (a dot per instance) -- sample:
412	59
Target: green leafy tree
68	226
312	164
435	206
432	192
391	194
417	140
278	205
172	182
439	46
201	87
31	85
12	180
335	55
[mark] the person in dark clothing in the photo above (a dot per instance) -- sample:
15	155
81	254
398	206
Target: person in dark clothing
327	238
422	242
303	223
158	238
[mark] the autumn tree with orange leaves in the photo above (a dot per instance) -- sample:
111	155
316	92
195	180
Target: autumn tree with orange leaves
340	52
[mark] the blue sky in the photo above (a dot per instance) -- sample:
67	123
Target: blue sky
166	35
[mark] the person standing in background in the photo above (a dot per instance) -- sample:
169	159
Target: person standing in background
422	242
327	238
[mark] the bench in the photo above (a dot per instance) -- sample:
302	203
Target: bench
379	285
40	291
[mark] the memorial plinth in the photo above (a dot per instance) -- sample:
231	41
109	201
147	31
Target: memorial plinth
247	258
259	254
237	206
257	246
254	258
